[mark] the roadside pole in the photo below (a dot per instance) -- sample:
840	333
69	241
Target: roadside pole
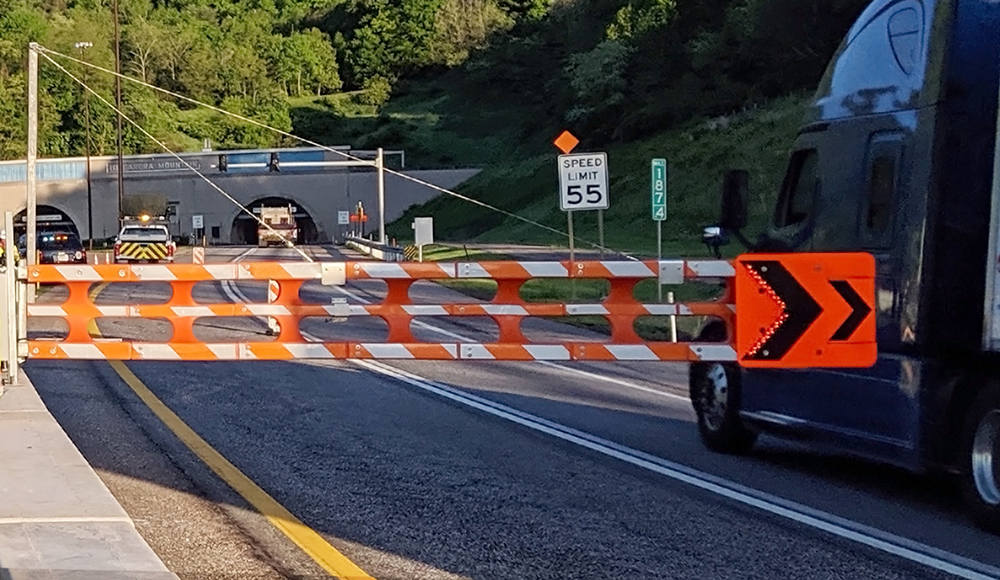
380	169
10	321
31	160
600	231
658	198
572	254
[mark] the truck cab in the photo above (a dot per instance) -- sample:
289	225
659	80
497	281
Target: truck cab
277	226
895	157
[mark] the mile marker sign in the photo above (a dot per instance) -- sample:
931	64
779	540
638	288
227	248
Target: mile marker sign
583	181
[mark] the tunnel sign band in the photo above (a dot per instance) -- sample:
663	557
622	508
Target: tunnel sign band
583	181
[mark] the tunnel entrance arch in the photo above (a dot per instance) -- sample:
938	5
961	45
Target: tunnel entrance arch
47	219
245	227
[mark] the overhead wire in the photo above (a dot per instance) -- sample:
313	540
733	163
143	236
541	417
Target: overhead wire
242	207
332	150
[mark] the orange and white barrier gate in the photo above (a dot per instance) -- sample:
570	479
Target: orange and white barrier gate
507	309
781	310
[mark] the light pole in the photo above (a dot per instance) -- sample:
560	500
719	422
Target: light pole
81	46
118	115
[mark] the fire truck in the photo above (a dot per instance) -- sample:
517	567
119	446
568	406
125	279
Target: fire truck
144	239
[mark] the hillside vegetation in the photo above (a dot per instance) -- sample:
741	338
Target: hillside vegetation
486	83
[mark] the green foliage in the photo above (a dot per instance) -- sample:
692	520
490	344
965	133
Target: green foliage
634	20
598	78
465	25
375	91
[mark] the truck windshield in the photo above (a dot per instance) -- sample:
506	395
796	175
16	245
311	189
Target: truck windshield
144	232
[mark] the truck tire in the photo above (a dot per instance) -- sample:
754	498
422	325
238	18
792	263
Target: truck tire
981	459
715	395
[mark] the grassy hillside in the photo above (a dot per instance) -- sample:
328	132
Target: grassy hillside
520	176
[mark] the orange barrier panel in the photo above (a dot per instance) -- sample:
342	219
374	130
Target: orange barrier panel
507	309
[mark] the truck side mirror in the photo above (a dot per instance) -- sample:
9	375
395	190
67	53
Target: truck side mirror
735	185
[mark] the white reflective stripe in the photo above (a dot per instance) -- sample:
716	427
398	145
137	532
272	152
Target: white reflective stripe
155	352
192	311
683	309
387	350
585	309
629	270
661	309
716	352
631	352
346	310
228	351
267	309
39	310
547	351
472	270
303	270
545	269
115	310
712	268
87	351
447	268
245	352
475	351
424	310
505	309
153	272
384	270
221	271
308	350
272	290
78	273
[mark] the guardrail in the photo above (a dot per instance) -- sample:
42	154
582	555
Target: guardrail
383	252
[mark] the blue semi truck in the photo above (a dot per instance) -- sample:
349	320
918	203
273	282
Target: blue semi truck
898	157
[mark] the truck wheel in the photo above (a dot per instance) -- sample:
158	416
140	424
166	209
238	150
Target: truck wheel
981	454
715	395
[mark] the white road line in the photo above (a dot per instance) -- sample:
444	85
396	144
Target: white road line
820	520
560	367
614	381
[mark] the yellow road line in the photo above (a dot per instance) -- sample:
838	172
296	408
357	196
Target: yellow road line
311	542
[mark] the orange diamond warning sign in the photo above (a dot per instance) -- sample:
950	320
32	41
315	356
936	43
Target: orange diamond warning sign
566	142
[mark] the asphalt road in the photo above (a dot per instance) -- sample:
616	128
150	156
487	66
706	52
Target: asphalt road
478	470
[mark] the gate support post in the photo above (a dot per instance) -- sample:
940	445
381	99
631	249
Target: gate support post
9	322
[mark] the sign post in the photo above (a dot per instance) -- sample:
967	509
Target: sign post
423	234
343	219
659	209
198	224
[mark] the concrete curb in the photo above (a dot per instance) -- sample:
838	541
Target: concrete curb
57	518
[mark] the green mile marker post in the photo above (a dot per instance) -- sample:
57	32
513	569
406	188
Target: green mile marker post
658	190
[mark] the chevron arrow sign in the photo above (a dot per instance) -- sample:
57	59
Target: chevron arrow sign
805	310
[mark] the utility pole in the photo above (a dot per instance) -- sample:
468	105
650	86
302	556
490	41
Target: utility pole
31	158
86	107
118	115
380	169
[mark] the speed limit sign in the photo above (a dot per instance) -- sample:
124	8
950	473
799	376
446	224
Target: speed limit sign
583	181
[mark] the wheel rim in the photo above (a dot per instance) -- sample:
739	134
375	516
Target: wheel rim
984	448
714	397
